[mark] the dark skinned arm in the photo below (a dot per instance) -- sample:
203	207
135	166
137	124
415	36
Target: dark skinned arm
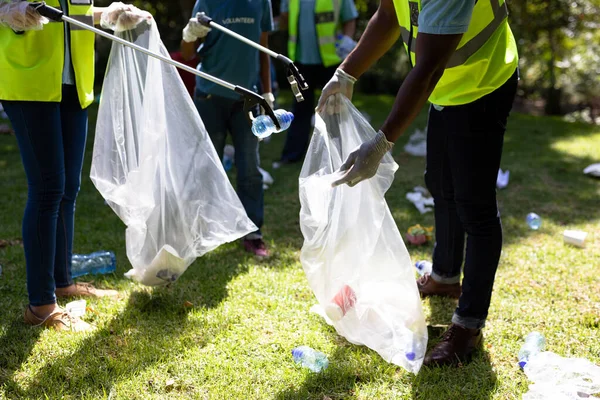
265	64
188	49
433	52
381	33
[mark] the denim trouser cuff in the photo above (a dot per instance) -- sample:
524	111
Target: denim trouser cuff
445	279
468	322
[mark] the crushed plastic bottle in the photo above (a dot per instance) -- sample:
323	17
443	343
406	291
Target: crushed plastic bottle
423	267
100	262
310	358
534	344
228	157
341	303
534	221
263	125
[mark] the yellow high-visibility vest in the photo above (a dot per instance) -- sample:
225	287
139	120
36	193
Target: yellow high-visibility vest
31	62
484	60
327	15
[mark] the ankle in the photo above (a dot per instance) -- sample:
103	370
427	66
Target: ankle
43	311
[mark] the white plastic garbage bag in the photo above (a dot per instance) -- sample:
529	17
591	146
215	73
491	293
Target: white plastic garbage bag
559	378
353	255
155	165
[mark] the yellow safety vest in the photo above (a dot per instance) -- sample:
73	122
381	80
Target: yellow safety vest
31	63
484	60
327	15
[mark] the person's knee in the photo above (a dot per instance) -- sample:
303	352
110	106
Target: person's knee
479	218
50	191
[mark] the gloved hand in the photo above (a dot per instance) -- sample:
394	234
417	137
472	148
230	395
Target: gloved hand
363	162
194	30
270	99
341	84
121	17
19	16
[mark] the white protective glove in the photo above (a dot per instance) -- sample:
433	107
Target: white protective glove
270	99
19	16
341	84
121	17
363	162
194	30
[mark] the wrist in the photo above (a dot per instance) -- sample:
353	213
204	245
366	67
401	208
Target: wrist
381	143
345	75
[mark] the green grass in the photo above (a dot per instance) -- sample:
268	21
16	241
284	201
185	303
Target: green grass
235	342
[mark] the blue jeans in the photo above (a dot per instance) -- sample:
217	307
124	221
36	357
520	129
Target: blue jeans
464	148
221	115
51	138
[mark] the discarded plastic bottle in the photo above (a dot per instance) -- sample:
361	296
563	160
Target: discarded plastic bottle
263	125
534	221
100	262
228	155
423	267
534	344
341	303
310	358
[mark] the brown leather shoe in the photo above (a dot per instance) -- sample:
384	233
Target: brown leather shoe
457	345
59	320
428	287
84	289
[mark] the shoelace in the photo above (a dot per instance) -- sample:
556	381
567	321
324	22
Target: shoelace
450	333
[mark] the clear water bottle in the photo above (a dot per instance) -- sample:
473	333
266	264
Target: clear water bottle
310	358
100	262
263	125
424	267
534	344
534	221
228	156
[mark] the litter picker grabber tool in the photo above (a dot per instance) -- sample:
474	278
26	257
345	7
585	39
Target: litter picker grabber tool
251	99
294	77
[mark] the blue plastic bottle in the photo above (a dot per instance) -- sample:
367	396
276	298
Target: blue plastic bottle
100	262
263	126
423	267
310	358
534	221
534	344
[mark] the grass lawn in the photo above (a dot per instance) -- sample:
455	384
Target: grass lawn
235	341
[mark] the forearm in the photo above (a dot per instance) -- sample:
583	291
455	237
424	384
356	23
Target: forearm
265	65
381	33
188	50
411	98
97	14
349	28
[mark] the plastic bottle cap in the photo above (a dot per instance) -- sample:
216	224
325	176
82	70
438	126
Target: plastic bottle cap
334	312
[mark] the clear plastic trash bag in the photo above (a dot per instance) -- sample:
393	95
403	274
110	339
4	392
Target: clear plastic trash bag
353	254
559	378
156	167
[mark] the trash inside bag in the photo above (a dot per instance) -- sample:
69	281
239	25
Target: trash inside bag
556	377
353	254
156	167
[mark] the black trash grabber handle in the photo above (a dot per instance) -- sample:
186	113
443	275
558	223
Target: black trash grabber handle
252	100
295	78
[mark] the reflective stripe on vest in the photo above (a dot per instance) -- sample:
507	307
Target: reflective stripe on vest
31	64
484	59
327	16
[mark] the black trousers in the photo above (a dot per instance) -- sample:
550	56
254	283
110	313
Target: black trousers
298	135
464	148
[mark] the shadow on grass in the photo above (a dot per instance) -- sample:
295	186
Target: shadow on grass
338	381
142	334
16	344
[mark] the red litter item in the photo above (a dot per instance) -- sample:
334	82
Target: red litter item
341	303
